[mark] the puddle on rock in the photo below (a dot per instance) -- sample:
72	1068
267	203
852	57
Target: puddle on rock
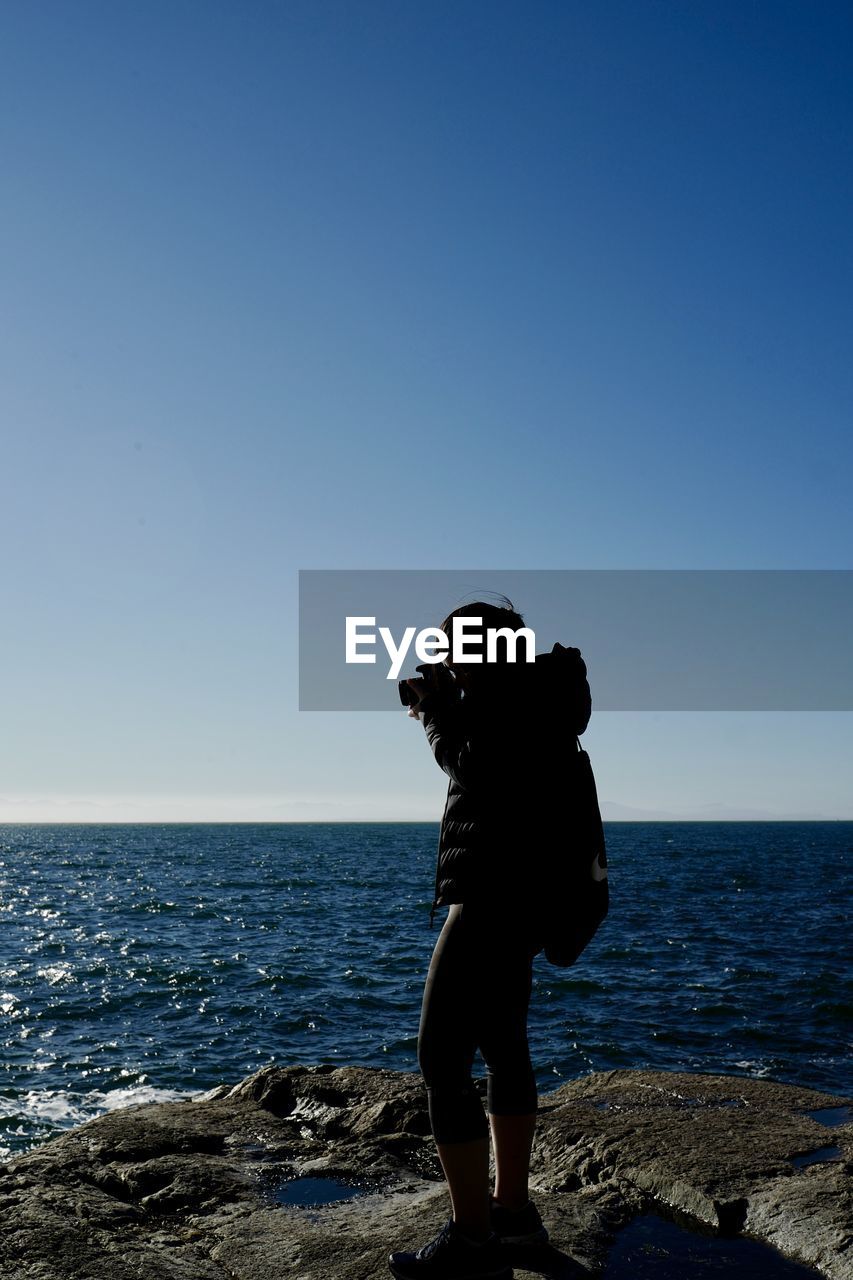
651	1248
822	1155
313	1191
832	1117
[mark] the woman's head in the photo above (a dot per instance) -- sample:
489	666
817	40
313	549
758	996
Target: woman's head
495	617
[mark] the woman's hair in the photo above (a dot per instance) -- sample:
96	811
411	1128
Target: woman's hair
494	616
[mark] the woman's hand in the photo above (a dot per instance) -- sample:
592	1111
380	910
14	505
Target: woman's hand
420	689
436	680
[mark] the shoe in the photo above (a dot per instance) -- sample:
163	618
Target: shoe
518	1226
452	1256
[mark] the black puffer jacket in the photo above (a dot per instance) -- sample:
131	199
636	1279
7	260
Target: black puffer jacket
506	757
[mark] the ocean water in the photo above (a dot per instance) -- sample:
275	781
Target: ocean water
146	962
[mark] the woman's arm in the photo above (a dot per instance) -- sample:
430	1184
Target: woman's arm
446	737
473	758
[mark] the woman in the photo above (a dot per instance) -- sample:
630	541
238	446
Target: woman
500	733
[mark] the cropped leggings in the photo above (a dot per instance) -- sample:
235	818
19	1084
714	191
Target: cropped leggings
476	996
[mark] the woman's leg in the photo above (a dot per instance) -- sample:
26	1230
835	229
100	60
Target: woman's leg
447	1043
466	1168
512	1138
477	994
510	941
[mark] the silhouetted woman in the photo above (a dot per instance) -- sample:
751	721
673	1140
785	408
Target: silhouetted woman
500	731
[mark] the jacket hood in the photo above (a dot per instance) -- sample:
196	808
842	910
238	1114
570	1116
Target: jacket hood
555	681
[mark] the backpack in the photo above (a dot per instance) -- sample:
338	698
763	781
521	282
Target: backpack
578	896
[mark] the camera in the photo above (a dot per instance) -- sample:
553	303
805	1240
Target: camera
407	693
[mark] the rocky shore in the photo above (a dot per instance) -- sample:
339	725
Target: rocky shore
208	1188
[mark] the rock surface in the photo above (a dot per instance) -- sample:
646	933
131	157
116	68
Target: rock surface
192	1190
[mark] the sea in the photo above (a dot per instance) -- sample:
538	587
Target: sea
153	962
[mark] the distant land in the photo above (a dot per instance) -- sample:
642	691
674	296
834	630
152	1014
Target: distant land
612	811
354	809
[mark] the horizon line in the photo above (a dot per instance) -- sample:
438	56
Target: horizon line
363	822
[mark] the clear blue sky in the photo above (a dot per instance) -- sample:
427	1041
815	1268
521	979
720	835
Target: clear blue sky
388	285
